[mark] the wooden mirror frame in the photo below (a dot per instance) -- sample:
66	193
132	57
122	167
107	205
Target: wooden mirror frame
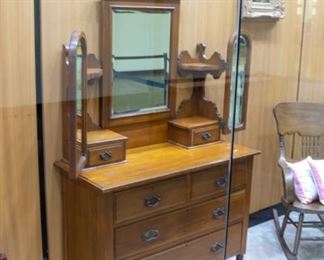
106	119
228	82
70	117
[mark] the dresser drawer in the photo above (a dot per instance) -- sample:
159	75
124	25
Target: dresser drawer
214	180
206	135
171	227
209	247
150	198
111	153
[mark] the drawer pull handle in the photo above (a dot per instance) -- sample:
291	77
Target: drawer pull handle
206	135
218	213
105	156
151	235
153	201
217	247
221	182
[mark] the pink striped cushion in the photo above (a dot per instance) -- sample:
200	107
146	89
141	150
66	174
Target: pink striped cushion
317	167
305	188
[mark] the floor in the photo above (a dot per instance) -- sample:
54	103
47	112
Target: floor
262	242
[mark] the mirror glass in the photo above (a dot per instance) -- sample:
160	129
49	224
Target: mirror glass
140	60
79	71
239	116
79	78
261	1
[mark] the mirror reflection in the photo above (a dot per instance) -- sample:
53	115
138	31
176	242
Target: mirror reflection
239	104
79	91
79	79
261	1
140	60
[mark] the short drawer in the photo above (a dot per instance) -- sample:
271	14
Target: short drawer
106	154
214	180
206	135
172	227
209	247
150	198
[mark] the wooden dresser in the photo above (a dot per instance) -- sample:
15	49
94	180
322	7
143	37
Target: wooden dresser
165	202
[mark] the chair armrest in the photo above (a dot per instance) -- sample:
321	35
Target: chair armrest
288	180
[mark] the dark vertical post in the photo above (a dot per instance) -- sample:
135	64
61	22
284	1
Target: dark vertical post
40	139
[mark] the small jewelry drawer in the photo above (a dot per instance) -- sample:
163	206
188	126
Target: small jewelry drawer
214	180
150	198
193	131
206	135
106	154
103	147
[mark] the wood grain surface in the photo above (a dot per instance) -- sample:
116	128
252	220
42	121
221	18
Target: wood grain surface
155	162
20	231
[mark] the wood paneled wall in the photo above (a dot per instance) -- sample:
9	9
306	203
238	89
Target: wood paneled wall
59	19
274	78
311	86
20	232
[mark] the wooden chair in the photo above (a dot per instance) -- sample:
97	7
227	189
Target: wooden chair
304	123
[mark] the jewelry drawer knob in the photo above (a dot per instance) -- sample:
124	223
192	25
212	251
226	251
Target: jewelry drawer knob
105	156
153	201
217	247
151	235
221	182
206	135
218	213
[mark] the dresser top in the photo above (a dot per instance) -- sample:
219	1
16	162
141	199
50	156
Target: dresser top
160	161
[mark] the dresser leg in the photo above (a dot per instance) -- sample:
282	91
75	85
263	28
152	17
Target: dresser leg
239	257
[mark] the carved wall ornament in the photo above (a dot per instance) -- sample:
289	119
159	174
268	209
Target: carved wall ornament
263	9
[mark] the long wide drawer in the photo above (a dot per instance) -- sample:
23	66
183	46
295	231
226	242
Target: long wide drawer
150	198
214	181
209	247
175	226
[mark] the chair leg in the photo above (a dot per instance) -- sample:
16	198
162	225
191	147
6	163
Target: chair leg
298	233
279	231
284	223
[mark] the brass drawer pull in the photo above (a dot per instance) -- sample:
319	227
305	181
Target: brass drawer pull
217	247
151	235
218	213
221	182
206	135
105	156
153	201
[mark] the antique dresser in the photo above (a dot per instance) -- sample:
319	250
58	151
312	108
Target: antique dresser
151	179
166	203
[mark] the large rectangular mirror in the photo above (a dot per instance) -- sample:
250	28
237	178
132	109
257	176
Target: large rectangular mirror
139	49
141	53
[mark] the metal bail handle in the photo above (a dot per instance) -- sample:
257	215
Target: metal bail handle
151	235
217	247
106	155
206	135
153	201
221	182
218	213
